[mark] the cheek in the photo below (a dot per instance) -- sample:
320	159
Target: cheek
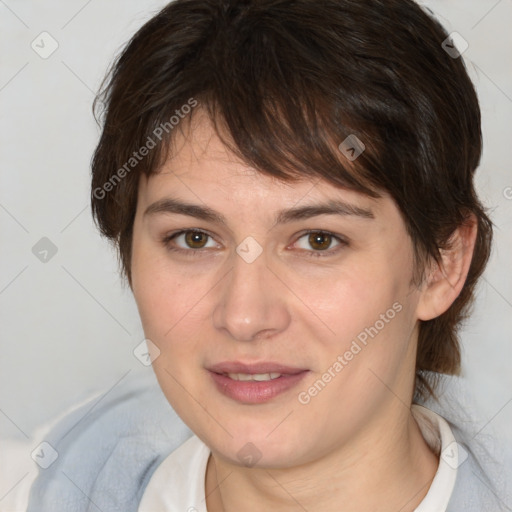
174	310
369	309
166	304
151	291
174	321
161	292
354	295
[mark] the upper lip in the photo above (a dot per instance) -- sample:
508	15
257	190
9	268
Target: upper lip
254	368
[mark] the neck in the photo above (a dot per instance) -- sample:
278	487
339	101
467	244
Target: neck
385	469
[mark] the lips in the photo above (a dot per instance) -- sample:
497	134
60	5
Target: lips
254	383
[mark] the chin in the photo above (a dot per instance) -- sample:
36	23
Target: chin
254	447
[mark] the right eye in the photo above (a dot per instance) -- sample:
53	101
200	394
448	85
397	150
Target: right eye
189	241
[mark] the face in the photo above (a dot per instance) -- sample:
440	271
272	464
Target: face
283	331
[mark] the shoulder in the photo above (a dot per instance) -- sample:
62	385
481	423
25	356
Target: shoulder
479	484
484	466
108	449
484	472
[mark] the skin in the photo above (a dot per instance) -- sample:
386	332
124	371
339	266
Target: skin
355	445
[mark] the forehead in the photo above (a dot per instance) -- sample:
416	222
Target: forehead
202	167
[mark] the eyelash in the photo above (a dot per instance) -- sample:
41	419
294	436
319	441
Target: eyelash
196	252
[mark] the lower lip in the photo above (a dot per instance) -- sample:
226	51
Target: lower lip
256	392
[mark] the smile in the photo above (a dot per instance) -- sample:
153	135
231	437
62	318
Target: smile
254	383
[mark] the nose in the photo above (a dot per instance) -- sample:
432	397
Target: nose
252	303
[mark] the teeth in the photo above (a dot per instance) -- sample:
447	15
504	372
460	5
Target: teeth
254	376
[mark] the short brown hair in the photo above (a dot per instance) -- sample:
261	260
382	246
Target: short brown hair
289	80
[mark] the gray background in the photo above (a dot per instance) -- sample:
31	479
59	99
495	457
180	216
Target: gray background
68	326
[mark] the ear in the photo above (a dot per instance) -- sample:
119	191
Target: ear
445	281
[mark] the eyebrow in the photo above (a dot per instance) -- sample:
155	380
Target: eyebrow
331	207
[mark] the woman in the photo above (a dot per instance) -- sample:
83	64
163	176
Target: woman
290	187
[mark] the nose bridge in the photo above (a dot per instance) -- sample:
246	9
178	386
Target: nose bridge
250	302
249	268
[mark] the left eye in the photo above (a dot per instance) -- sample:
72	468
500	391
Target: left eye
319	240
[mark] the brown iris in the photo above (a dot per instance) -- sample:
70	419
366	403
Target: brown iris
320	241
195	239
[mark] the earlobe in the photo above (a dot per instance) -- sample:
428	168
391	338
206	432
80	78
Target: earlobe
445	281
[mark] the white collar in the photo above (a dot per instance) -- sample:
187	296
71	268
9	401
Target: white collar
438	435
178	484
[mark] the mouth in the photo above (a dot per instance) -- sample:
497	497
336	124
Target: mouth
254	383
